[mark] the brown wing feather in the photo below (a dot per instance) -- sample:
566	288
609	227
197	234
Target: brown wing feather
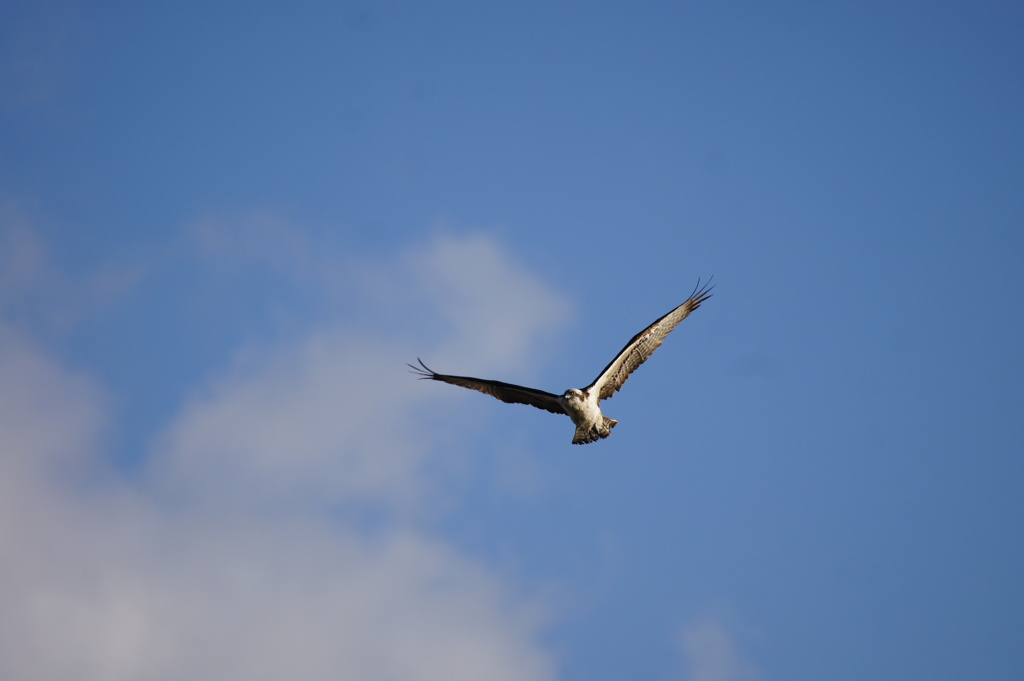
642	345
506	392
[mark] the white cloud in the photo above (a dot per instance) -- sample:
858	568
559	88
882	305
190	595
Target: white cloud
326	418
495	309
238	556
711	653
333	415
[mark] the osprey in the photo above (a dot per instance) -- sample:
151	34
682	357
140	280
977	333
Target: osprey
582	405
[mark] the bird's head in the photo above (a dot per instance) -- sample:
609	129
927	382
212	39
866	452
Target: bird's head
573	395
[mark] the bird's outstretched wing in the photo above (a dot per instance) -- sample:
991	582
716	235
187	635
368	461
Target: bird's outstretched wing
642	345
506	392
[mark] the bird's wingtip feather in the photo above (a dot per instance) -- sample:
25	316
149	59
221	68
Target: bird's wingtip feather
424	372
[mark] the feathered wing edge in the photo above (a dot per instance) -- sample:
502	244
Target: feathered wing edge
642	345
506	392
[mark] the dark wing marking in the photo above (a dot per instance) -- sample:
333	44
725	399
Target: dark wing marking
642	345
506	392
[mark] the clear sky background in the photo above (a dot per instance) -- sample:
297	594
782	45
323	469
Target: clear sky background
226	226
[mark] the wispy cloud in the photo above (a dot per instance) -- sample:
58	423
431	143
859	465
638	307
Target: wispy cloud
240	552
711	654
35	292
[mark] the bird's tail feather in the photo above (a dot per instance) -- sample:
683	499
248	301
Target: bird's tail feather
586	435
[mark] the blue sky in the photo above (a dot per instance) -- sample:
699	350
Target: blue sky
225	227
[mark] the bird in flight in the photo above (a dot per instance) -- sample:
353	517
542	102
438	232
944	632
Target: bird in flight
582	405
